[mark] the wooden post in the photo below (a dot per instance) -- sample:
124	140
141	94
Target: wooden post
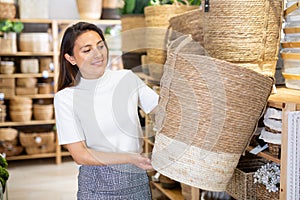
286	108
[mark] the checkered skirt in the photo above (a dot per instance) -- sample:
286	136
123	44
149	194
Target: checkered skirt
113	182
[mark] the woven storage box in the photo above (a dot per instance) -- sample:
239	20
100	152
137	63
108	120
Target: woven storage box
8	134
207	114
239	31
263	194
7	82
46	64
133	33
26	90
7	10
43	112
34	42
36	139
34	9
49	148
10	148
26	82
30	65
8	92
241	186
20	101
8	43
7	67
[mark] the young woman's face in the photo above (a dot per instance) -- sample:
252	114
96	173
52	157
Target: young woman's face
90	55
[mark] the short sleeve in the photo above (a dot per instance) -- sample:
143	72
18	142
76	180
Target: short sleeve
148	98
68	126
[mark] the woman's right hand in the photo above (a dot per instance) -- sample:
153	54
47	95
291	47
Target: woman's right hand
140	161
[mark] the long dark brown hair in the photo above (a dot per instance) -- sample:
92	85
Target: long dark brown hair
67	72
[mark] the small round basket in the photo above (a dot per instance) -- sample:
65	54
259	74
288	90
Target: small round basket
8	134
43	112
20	116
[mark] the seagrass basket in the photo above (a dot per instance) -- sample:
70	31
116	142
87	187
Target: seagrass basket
239	31
190	22
8	134
241	186
207	114
133	33
36	139
49	148
43	112
157	22
7	10
263	194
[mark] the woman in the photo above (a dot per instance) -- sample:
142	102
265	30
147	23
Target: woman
97	119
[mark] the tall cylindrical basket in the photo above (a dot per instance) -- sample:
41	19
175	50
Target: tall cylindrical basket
207	113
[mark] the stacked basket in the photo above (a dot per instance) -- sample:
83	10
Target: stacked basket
36	143
20	109
157	22
9	142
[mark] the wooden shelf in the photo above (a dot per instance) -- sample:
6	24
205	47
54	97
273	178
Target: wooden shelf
67	21
27	75
265	155
173	194
28	54
34	96
32	122
35	156
283	96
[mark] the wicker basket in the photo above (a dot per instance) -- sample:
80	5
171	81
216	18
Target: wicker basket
20	116
10	148
26	90
20	101
133	33
274	149
189	22
36	139
7	67
207	114
26	82
50	148
263	194
7	10
89	9
241	186
246	32
45	88
157	22
8	134
43	112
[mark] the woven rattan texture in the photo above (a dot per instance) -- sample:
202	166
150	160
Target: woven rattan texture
243	31
263	194
210	105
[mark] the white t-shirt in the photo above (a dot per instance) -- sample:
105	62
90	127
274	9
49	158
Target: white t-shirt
103	112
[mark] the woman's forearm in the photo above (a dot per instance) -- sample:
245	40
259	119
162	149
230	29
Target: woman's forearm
83	155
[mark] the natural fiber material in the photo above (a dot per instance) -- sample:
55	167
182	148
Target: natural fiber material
133	33
157	22
37	139
7	10
239	31
190	22
241	186
207	113
263	194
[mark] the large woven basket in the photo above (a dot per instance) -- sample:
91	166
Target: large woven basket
7	10
239	31
207	113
